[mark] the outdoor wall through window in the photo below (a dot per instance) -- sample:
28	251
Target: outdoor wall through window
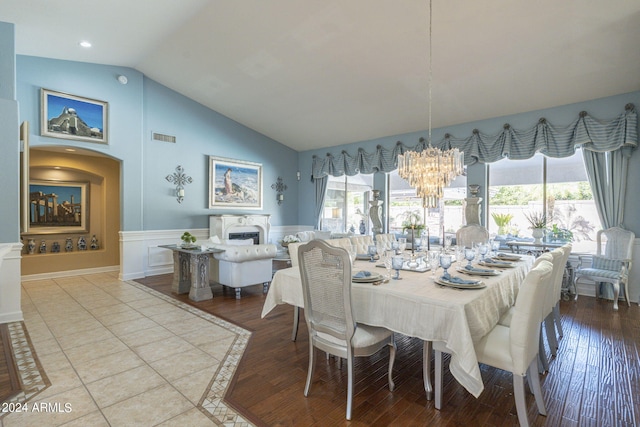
346	207
556	188
403	200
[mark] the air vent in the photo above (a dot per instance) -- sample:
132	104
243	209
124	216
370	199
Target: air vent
162	137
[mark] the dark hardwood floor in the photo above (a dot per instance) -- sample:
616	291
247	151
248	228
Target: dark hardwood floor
594	381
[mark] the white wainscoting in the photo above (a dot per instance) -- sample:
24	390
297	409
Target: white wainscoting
141	256
10	309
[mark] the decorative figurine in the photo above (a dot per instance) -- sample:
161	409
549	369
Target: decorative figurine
68	246
43	247
55	247
82	243
31	246
94	242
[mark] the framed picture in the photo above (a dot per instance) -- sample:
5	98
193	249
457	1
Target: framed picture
58	207
73	117
234	184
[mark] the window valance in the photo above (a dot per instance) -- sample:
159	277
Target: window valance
589	133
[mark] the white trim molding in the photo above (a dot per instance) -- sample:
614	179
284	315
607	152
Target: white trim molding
141	256
10	297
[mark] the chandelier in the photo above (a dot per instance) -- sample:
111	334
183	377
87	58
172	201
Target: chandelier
431	170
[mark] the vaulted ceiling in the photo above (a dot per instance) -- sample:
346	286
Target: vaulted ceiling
319	73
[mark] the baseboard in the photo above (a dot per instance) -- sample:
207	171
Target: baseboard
15	316
70	273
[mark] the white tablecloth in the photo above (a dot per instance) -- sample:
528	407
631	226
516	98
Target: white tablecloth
417	307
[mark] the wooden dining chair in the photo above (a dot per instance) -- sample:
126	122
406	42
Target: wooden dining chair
512	348
325	271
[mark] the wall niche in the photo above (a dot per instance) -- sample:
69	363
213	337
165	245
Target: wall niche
100	176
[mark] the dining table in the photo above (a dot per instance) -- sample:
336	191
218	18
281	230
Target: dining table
416	306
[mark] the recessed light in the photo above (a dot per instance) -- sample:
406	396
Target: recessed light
69	149
85	43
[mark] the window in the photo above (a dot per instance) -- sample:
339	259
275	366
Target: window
403	199
556	187
346	207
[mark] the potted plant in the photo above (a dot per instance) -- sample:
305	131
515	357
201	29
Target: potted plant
558	234
188	240
538	221
412	221
502	221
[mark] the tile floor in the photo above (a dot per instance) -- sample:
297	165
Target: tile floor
117	353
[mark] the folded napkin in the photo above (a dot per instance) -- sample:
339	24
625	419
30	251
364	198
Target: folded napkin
492	261
458	280
362	274
477	269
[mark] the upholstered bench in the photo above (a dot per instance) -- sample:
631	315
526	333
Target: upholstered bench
244	264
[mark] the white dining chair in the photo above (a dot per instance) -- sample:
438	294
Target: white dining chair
326	283
512	348
611	264
505	320
555	319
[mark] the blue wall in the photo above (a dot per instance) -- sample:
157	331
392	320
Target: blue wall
604	109
143	106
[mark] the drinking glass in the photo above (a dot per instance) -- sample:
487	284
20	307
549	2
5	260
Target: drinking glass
447	243
395	246
388	255
372	250
495	247
483	248
469	255
459	253
445	263
433	261
402	244
417	244
396	263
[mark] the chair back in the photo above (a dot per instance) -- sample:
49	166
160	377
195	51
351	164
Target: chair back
470	234
343	242
619	243
555	279
386	238
361	243
527	316
325	271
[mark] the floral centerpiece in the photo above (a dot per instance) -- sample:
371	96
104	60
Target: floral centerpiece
288	239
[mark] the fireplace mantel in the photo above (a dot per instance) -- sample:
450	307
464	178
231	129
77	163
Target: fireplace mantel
222	225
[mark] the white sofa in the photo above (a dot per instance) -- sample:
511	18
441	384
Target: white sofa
244	264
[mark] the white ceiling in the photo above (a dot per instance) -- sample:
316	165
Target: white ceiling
319	73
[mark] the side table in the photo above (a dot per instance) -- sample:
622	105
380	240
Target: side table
191	271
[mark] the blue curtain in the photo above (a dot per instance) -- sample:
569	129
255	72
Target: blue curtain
321	192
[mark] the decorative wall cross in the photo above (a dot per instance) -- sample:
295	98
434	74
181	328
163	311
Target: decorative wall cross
180	180
279	186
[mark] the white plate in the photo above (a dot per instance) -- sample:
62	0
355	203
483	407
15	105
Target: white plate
508	257
503	264
443	282
478	273
369	279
